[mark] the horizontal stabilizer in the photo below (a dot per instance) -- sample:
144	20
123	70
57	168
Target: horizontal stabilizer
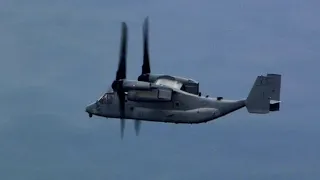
274	105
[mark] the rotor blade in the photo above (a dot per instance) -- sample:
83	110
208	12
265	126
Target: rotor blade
122	126
137	125
146	59
121	96
121	72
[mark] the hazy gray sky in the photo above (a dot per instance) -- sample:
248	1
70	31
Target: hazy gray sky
58	56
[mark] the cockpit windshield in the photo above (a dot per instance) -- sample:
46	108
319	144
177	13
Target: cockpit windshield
107	97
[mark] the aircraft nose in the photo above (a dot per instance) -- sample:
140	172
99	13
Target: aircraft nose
90	109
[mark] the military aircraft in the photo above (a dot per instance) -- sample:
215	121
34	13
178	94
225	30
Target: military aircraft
163	99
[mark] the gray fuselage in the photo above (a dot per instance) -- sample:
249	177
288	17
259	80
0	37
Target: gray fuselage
182	108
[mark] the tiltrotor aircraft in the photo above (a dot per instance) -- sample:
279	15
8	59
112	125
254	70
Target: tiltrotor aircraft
165	98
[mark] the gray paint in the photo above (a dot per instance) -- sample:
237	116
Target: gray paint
184	107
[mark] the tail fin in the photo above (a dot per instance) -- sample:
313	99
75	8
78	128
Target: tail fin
265	94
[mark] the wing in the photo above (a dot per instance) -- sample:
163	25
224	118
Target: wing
169	83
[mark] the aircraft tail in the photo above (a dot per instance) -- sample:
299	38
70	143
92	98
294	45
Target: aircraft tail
265	94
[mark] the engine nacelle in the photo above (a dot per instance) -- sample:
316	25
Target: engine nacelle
129	85
151	95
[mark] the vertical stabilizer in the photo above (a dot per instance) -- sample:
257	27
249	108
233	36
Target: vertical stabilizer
265	94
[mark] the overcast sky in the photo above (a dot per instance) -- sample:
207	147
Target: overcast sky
58	56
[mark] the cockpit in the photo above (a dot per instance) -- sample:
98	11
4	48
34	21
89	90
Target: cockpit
107	98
